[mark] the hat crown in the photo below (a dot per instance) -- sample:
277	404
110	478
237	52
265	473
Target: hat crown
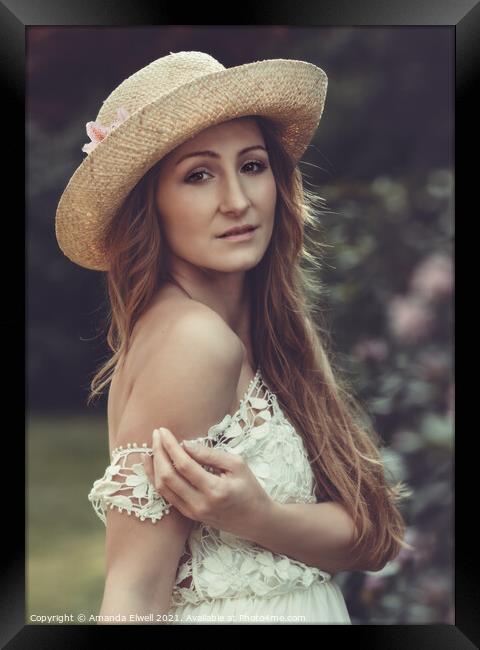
158	78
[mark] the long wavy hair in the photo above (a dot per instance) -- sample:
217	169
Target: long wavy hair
290	340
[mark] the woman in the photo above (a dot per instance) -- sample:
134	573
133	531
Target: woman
214	339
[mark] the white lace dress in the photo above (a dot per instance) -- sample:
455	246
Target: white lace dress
222	578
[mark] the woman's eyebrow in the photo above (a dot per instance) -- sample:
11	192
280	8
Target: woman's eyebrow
213	154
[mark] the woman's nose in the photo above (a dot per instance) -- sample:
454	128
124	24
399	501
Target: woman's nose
234	197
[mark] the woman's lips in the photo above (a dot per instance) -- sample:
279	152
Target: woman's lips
240	236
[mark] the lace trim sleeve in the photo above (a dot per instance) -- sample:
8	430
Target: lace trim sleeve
126	486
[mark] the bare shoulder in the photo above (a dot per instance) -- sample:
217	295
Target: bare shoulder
199	325
187	378
191	325
174	316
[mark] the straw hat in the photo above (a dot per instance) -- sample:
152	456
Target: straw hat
161	106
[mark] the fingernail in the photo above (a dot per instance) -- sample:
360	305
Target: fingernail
191	443
156	435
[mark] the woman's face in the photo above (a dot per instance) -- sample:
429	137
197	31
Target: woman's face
200	197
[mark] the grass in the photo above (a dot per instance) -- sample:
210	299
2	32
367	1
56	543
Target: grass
65	538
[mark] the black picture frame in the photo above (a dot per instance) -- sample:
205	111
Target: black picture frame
463	16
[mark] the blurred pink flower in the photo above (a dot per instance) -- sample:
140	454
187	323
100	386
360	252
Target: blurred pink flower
374	583
424	546
371	349
435	590
433	366
96	132
433	278
410	318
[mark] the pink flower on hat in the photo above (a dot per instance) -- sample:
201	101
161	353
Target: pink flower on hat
96	132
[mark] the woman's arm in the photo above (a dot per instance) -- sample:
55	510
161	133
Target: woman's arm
187	384
142	560
134	601
318	534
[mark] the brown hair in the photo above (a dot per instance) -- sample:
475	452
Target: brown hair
290	342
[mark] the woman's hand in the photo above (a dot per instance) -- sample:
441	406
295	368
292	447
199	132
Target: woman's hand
232	501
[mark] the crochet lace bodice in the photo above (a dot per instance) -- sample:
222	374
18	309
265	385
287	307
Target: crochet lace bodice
217	564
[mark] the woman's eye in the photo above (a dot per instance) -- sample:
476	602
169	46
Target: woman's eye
261	166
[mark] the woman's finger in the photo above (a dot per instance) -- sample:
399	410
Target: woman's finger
185	465
172	479
217	458
170	496
147	461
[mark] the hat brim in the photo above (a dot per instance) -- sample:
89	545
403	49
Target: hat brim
290	92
